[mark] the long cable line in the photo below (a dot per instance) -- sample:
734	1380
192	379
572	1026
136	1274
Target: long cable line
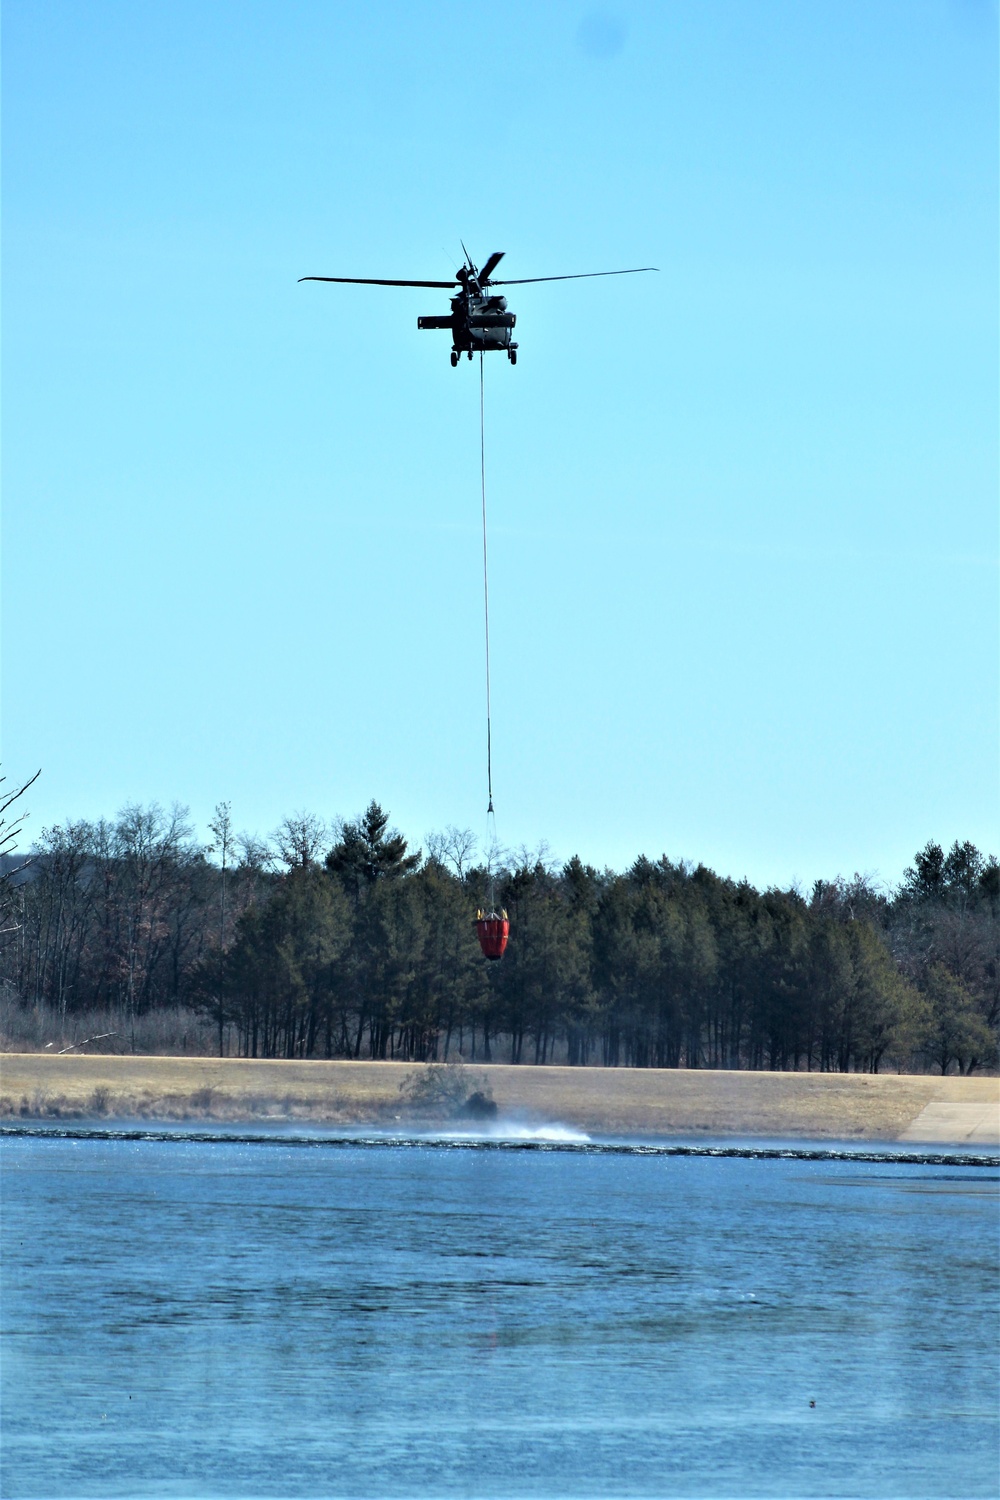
491	820
486	581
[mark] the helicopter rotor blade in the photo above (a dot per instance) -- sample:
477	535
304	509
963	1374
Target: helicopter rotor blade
580	276
490	266
371	281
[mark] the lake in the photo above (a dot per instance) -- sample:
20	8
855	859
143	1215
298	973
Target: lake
200	1313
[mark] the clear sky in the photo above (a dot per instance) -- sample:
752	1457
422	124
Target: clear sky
743	512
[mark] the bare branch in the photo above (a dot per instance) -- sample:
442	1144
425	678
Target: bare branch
101	1036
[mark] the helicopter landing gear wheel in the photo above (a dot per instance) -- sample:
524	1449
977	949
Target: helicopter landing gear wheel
512	356
470	354
454	358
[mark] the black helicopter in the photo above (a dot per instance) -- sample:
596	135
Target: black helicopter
478	321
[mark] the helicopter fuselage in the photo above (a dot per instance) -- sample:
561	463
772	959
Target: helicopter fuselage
478	323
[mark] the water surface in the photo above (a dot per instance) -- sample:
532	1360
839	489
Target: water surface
196	1313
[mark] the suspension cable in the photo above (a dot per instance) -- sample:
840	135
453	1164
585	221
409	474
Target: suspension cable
486	584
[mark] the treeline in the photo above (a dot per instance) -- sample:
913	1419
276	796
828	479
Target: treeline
345	943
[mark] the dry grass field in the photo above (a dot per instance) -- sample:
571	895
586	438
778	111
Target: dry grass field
615	1101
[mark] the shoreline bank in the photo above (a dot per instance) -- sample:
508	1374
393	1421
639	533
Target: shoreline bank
603	1101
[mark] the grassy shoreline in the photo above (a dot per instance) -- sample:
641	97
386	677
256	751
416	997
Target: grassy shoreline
606	1101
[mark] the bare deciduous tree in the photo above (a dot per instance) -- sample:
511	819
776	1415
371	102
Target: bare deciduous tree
299	839
454	848
10	828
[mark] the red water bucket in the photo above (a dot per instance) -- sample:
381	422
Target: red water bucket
492	930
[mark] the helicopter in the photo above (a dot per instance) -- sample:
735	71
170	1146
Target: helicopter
479	321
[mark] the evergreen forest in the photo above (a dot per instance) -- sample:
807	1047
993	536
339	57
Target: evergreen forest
344	942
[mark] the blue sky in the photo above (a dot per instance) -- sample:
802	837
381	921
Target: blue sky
743	512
